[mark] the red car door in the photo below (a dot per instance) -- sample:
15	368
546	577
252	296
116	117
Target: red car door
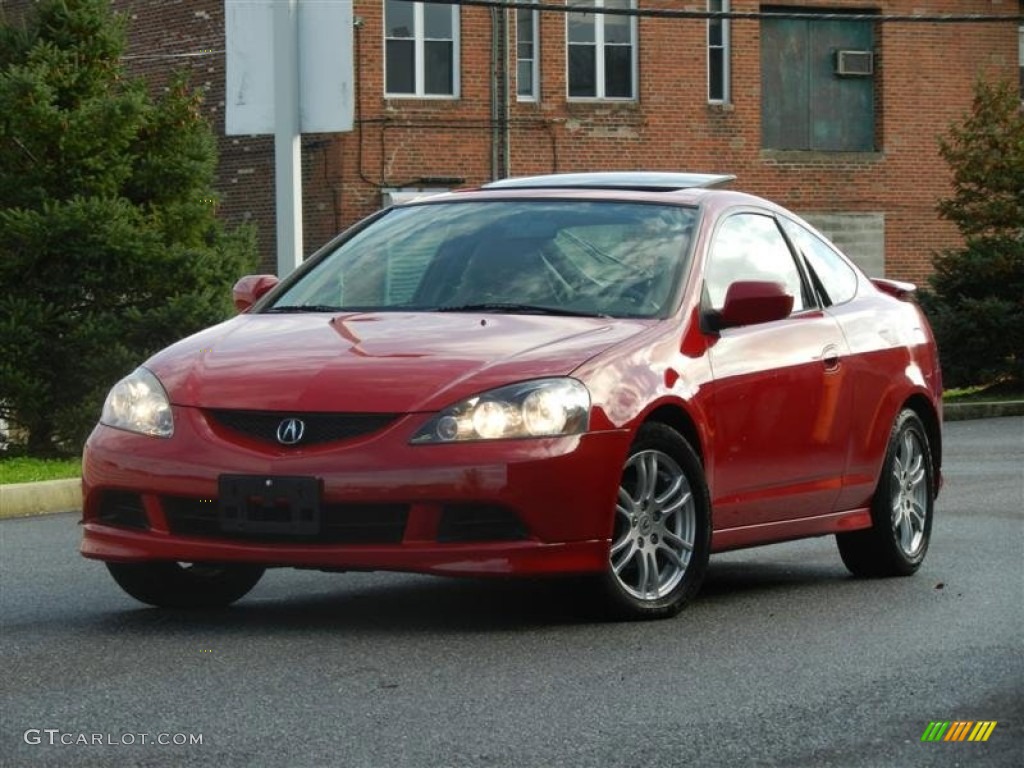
781	392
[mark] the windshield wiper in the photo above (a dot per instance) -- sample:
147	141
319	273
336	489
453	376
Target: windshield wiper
305	308
513	308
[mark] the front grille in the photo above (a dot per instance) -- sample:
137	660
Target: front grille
123	509
479	522
318	427
191	517
341	523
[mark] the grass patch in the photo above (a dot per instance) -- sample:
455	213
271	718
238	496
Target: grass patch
22	469
985	393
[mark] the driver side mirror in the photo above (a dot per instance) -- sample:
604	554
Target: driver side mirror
250	288
749	302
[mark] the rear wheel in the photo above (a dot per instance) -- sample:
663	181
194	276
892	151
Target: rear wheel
662	532
901	510
181	585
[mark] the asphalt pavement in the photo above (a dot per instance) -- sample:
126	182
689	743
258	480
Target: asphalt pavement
783	660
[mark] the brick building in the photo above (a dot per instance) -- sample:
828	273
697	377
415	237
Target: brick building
836	118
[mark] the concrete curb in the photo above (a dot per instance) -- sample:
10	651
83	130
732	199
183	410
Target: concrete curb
25	499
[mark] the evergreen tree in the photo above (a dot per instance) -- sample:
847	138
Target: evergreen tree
109	243
976	304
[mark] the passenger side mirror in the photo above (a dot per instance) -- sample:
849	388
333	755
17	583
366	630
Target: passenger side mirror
749	302
250	288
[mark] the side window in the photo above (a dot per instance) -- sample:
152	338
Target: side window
749	246
838	279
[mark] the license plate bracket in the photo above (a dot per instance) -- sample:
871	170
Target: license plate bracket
278	505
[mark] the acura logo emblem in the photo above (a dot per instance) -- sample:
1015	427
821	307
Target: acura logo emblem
290	431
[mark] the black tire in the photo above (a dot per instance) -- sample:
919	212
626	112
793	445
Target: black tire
901	510
173	585
659	550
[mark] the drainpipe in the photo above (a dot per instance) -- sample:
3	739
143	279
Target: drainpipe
495	134
506	95
499	94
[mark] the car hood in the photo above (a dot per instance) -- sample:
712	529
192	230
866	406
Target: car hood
374	362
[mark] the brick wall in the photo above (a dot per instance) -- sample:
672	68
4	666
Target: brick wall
923	82
924	74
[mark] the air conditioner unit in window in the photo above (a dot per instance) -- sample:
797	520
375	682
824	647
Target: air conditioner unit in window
855	63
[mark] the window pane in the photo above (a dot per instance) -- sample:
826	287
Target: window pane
525	45
437	21
617	29
524	78
437	75
716	74
524	26
399	18
581	27
618	72
715	33
400	66
718	53
582	70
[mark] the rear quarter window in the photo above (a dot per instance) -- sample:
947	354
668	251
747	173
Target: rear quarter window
835	276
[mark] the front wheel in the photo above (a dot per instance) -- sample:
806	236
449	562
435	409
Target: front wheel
901	510
178	585
662	532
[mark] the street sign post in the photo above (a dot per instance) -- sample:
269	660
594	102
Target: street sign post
289	72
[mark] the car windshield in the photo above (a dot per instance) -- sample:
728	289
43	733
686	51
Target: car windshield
612	259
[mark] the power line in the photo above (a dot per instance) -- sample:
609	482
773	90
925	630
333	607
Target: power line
675	13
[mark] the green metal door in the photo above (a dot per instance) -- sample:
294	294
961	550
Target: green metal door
804	103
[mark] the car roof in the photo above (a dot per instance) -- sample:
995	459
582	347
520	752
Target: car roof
691	189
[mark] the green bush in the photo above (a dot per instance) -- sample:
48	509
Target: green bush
976	297
976	308
109	244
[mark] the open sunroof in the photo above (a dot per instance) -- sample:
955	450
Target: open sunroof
644	181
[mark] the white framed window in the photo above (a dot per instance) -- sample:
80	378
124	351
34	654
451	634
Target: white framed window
1020	54
421	49
601	52
527	54
718	54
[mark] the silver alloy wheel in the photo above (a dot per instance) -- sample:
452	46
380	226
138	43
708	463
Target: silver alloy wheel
655	526
909	494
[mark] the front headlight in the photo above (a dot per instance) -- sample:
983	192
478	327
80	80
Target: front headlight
138	403
539	408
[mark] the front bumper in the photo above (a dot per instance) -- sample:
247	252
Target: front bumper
536	506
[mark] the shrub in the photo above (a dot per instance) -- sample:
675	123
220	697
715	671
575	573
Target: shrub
976	308
109	244
976	301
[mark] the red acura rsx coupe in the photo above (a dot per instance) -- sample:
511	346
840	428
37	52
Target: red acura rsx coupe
610	375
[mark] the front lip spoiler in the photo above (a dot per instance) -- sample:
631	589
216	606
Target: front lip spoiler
109	543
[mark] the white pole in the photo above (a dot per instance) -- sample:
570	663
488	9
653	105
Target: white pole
287	144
